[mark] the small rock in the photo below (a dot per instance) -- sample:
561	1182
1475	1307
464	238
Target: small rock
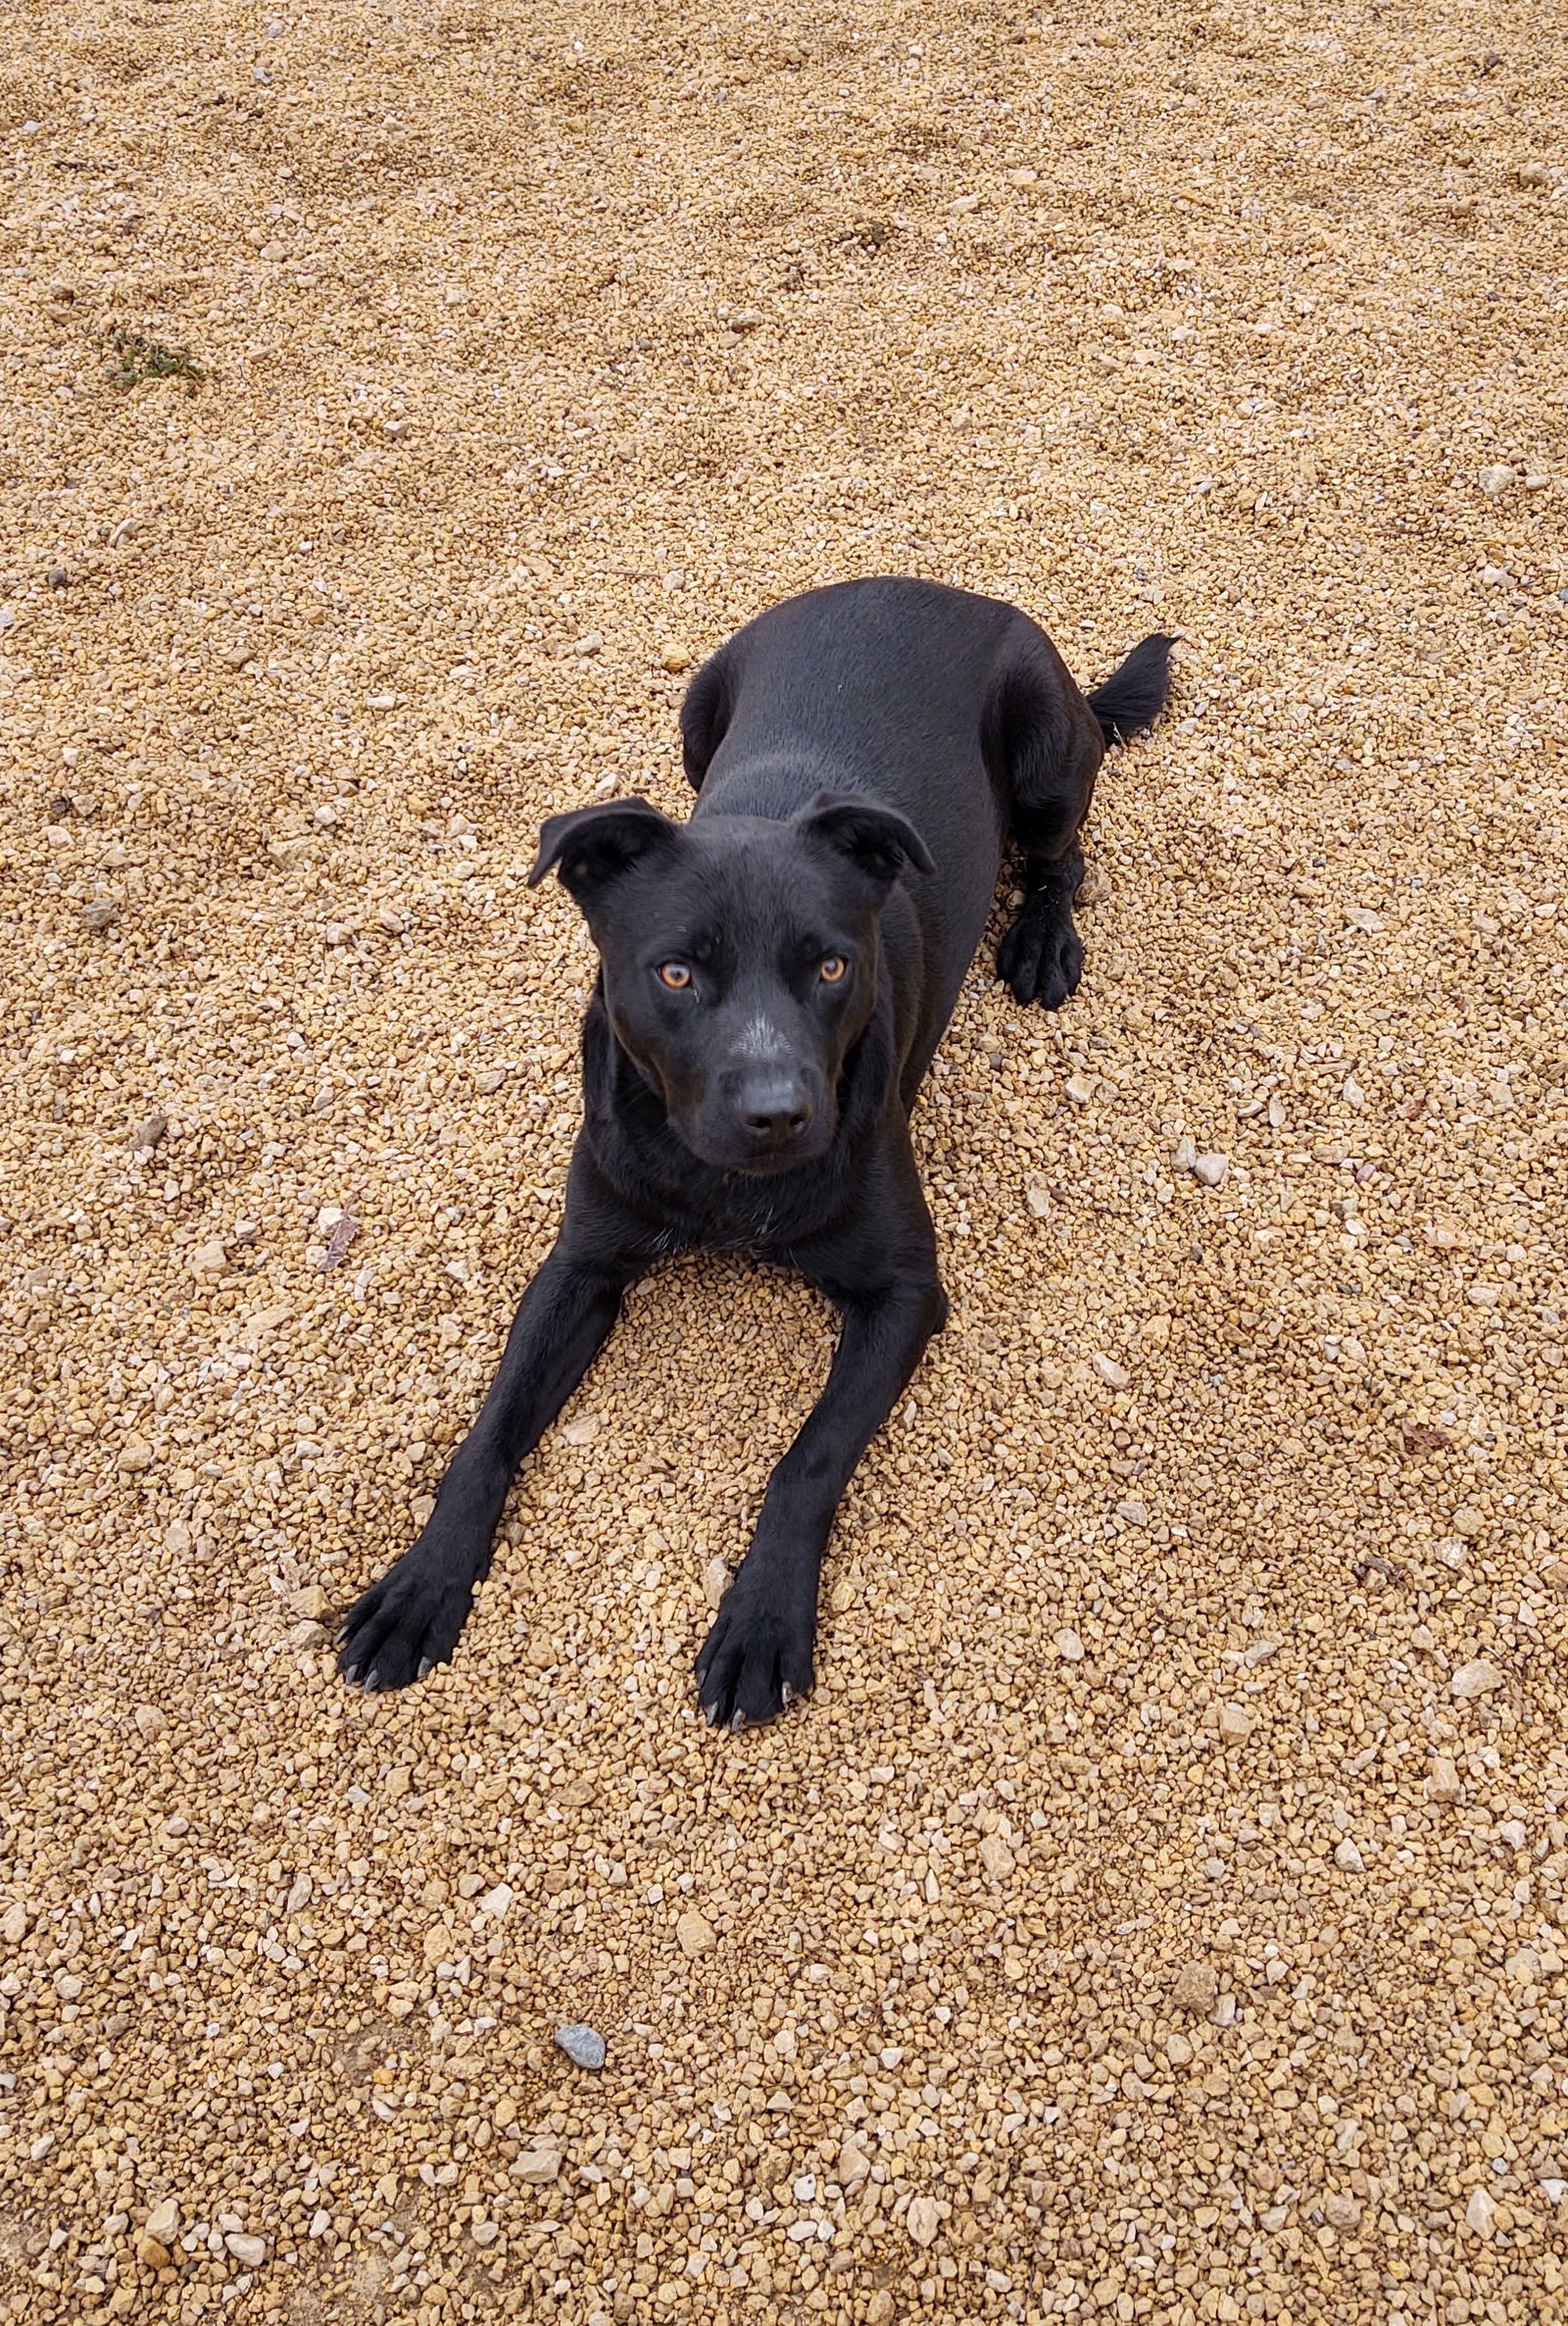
1442	1781
1495	480
208	1260
312	1602
149	1133
582	1431
878	2307
537	2166
803	2189
440	1944
996	1857
923	2220
136	1456
1369	924
716	1581
747	319
1195	1987
383	702
1109	1371
1524	1966
249	2252
100	914
66	1986
1534	174
1349	1858
1553	2190
1133	1514
1556	1574
13	1924
584	2045
1070	1647
1236	1722
1183	1154
1211	1170
497	1902
1094	888
58	578
484	2233
1513	1834
1480	2213
152	2252
1340	2211
149	1721
672	657
306	1635
1475	1679
163	2222
1080	1089
1535	480
696	1935
592	642
1178	2050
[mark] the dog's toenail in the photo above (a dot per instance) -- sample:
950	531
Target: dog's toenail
426	1664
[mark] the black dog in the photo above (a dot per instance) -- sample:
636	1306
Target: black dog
775	976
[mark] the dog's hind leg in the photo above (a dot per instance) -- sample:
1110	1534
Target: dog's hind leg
1044	743
703	717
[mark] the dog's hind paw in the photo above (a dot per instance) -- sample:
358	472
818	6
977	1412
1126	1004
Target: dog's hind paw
403	1625
1041	956
755	1659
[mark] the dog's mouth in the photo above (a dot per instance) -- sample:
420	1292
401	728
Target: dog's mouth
741	1162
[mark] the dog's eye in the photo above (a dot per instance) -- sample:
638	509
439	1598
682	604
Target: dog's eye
675	975
833	969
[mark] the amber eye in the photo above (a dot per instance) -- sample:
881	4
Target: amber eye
675	975
834	968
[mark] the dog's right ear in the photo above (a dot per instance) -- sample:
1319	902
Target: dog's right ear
591	846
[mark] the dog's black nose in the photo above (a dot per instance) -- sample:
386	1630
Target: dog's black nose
775	1111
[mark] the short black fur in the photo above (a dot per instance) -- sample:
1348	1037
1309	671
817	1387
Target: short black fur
774	977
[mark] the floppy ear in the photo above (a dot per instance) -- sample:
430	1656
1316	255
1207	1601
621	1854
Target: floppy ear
590	846
878	841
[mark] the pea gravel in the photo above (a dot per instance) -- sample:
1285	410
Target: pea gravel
1157	1914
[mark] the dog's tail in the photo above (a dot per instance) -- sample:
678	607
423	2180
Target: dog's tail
1134	696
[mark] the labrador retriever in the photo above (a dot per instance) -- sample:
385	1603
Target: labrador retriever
775	976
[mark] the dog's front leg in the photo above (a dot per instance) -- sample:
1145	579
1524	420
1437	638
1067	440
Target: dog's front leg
411	1619
759	1652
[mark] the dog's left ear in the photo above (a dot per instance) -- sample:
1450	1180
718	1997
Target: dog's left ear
878	841
592	845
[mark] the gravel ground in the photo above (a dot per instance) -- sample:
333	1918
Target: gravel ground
1159	1911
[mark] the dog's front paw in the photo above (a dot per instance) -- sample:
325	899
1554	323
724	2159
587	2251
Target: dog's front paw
407	1622
756	1656
1041	956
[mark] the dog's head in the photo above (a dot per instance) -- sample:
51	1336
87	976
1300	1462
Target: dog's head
739	958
